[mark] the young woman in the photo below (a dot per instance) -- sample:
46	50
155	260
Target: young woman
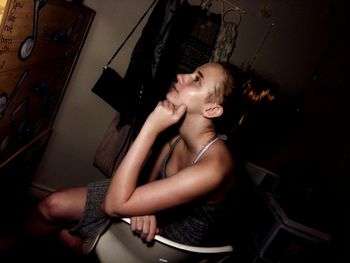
187	197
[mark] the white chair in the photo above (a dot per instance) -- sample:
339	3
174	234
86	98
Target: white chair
119	244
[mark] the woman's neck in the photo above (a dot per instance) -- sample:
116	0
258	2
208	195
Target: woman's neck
196	133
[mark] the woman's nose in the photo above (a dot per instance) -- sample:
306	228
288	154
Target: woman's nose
179	78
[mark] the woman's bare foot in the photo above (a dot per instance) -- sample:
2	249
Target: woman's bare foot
73	242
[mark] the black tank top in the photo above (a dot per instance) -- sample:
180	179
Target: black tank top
196	223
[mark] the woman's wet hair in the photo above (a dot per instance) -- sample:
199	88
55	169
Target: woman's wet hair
244	93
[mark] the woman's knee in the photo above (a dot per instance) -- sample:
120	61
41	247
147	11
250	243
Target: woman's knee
50	207
67	204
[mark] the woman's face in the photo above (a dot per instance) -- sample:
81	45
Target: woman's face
193	89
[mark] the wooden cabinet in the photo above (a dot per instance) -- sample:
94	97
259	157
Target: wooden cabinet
40	41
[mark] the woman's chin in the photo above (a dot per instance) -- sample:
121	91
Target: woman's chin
169	96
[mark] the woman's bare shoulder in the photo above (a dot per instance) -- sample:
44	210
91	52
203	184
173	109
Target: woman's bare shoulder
220	158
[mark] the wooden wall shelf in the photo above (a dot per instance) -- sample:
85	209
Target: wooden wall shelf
40	42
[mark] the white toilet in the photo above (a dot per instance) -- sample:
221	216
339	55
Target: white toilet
119	244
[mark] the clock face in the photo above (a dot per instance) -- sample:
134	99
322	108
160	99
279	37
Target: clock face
26	48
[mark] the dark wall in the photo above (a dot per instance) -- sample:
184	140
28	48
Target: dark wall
307	141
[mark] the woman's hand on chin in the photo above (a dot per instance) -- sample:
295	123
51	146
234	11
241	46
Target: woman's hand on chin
165	115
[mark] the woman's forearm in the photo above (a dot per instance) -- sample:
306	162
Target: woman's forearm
124	181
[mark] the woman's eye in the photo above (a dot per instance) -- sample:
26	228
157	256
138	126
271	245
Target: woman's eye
196	79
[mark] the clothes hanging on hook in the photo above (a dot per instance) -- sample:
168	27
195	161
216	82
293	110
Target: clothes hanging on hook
147	61
226	40
197	48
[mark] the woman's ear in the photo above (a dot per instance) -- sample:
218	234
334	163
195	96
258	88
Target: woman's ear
212	110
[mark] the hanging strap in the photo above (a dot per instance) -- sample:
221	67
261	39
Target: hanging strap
131	32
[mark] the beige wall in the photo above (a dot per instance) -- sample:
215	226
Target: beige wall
83	117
